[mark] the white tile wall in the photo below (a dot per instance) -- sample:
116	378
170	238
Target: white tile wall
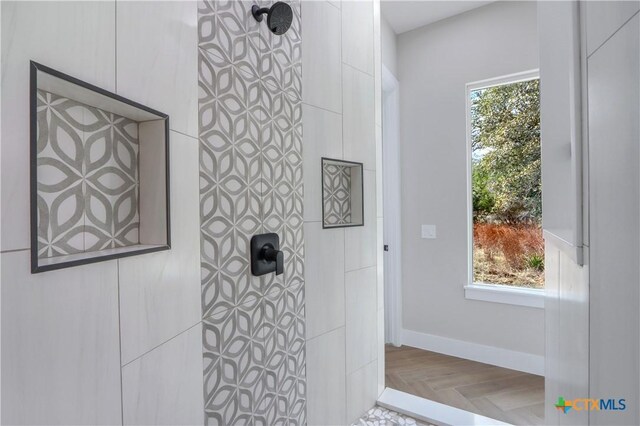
60	349
380	262
321	55
160	292
381	354
377	58
326	381
155	60
336	3
358	128
379	176
322	138
603	18
357	35
324	249
361	391
75	38
361	317
361	242
377	47
158	59
164	387
60	341
350	136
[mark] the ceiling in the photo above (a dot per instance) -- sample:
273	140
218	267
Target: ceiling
405	15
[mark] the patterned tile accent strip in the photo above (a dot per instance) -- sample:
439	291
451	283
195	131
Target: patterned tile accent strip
250	129
87	178
378	416
336	194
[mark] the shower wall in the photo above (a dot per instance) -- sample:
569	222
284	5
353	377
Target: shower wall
341	116
188	335
117	341
251	182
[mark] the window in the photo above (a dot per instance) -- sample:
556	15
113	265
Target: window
505	189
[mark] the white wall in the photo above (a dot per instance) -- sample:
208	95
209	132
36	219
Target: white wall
118	340
340	105
434	64
613	65
389	47
566	282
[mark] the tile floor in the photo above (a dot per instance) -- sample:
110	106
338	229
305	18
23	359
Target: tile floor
378	416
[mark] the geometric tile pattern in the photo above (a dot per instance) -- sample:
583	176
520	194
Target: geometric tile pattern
336	195
88	183
250	131
378	416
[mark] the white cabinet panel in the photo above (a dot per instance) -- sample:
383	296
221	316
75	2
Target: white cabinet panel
560	122
614	154
60	349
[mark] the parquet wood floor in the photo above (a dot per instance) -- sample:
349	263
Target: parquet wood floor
508	395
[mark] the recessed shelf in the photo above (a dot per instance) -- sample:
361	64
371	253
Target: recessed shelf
342	189
99	174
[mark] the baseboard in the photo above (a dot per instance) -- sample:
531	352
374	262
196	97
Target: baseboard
521	361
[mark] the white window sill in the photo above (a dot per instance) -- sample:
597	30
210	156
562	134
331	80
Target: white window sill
531	297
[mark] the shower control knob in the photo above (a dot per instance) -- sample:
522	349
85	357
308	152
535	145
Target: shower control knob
265	254
272	255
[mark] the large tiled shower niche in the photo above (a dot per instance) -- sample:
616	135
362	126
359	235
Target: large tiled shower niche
99	174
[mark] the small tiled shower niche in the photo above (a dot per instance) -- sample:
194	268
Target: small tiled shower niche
99	174
342	201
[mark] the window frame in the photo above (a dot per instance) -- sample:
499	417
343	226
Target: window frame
498	293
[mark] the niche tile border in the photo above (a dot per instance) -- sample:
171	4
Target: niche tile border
99	102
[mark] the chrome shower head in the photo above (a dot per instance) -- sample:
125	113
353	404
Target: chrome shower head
279	16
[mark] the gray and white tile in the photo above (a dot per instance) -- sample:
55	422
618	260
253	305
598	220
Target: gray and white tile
250	130
88	184
336	194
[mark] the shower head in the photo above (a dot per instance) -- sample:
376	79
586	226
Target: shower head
279	16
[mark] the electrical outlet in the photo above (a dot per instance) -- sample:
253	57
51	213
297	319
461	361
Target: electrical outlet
429	231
